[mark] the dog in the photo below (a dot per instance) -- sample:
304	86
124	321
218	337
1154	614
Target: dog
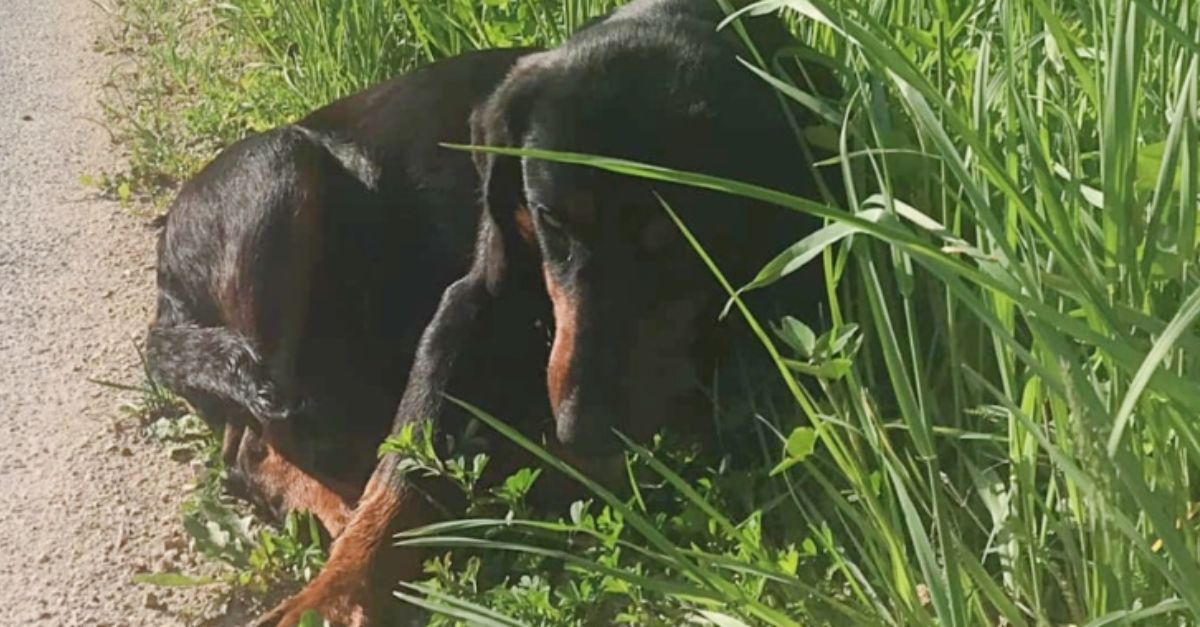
297	271
592	257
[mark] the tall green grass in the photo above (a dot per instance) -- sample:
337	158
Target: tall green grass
1016	439
205	74
996	422
1031	295
325	49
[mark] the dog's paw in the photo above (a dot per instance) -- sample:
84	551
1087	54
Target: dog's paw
339	597
271	405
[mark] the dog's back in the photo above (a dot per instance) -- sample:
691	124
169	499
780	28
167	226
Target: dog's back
297	269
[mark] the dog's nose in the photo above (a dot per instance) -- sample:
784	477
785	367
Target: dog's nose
586	429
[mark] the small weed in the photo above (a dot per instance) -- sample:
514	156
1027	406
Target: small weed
258	556
153	402
179	96
220	528
1000	430
588	568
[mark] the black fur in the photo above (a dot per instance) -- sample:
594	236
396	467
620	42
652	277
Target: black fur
311	274
297	270
653	82
589	259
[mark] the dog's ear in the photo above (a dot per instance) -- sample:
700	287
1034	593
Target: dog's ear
502	121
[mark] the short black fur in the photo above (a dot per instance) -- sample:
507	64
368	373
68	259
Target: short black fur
297	271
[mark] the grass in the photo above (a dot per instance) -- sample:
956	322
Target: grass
996	424
205	74
256	558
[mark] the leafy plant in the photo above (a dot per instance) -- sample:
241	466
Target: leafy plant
1012	440
997	424
205	74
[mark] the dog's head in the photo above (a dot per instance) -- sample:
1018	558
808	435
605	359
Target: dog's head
631	300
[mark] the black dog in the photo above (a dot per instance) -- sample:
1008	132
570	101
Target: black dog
633	309
297	271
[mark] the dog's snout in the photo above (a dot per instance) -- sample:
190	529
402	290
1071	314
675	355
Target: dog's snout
586	429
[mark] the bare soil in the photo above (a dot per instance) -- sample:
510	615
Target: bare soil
85	501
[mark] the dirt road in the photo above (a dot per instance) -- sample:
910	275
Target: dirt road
83	505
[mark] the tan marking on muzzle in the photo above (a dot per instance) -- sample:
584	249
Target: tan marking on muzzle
525	228
558	371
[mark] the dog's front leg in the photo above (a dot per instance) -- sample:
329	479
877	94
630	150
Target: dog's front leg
465	348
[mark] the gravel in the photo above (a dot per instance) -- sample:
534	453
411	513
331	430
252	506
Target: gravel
84	503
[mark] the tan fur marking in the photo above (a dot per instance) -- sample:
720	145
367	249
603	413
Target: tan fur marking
278	479
565	314
351	584
525	226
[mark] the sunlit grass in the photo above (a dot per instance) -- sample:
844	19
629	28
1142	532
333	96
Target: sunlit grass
205	74
1016	440
1003	395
